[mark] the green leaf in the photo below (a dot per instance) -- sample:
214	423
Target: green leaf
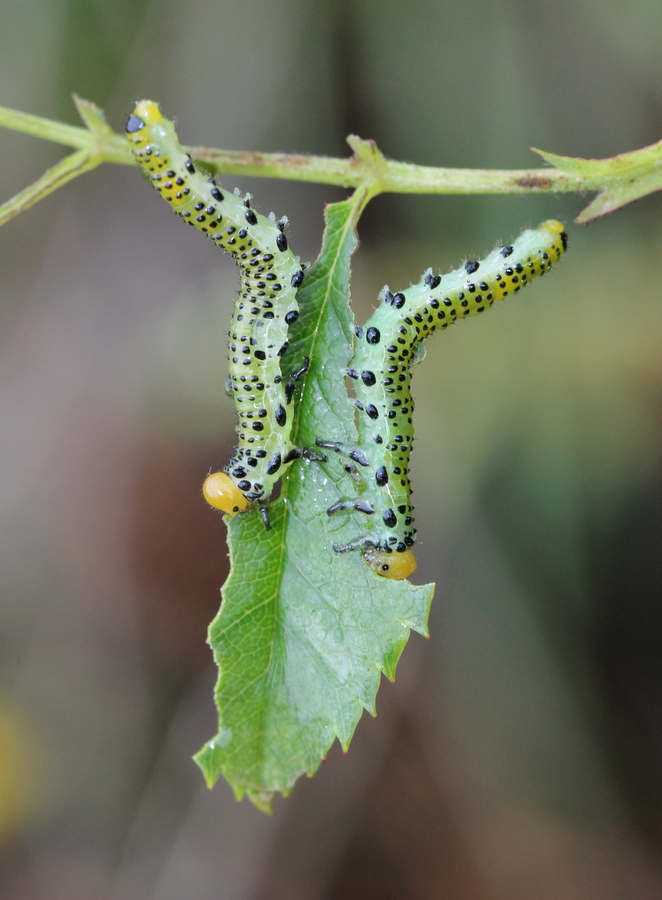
619	179
304	634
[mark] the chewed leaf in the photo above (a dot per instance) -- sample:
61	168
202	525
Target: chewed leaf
304	633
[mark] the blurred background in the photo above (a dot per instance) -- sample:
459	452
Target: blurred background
519	754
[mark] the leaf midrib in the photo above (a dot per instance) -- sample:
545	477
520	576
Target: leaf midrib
359	198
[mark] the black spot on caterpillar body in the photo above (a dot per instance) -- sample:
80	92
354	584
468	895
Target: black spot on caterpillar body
270	275
385	403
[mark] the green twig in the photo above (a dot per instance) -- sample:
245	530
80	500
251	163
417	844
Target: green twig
618	180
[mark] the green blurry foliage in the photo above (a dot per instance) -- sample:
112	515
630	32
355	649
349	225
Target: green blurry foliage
98	38
542	420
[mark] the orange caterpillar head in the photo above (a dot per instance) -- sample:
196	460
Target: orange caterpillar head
222	493
391	565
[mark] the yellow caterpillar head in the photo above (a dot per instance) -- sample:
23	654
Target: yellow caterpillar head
222	493
391	565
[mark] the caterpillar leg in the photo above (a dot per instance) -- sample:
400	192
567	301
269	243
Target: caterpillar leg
291	383
352	453
303	368
264	514
358	544
295	453
358	505
303	453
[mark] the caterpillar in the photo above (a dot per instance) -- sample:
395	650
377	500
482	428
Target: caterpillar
387	346
270	276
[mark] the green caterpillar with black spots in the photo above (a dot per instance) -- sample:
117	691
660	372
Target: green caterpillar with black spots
387	346
270	276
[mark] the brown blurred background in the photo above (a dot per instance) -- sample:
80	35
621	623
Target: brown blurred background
519	754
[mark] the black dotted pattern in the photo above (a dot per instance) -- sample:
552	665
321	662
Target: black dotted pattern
387	346
265	307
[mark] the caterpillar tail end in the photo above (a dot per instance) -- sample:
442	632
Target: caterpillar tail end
148	111
222	493
391	565
556	227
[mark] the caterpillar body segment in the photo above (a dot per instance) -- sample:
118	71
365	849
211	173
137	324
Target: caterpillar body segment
270	276
387	347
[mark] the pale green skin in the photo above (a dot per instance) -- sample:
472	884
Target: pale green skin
258	322
534	250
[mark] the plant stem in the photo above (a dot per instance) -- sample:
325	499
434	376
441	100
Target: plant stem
618	180
397	177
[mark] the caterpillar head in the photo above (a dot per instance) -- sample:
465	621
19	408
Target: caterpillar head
222	493
391	565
